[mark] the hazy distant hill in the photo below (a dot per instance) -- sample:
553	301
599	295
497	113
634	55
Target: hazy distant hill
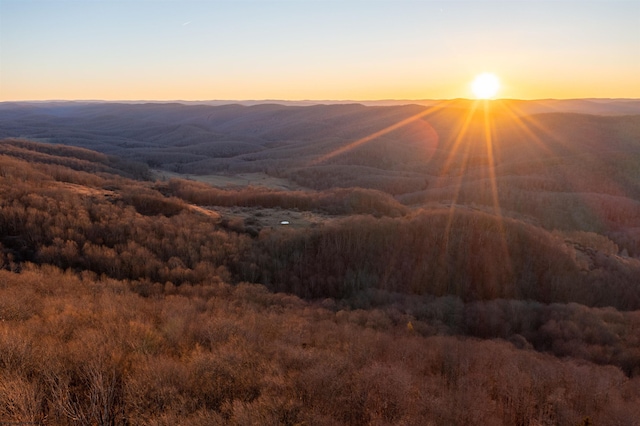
603	106
272	138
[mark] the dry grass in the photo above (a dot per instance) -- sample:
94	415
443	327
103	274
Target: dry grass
239	180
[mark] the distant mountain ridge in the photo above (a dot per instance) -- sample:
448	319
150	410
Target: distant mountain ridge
603	106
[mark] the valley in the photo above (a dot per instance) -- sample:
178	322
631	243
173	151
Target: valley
465	262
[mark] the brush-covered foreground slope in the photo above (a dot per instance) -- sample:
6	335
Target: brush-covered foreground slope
82	349
129	302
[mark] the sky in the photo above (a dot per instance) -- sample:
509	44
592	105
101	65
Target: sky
316	49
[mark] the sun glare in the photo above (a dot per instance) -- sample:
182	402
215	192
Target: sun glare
485	86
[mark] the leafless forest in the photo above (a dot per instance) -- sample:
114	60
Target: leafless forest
447	265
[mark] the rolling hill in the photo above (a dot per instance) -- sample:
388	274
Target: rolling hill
484	256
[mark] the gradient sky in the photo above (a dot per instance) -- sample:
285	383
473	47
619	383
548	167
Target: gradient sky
336	49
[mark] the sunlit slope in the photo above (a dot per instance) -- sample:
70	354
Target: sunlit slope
57	212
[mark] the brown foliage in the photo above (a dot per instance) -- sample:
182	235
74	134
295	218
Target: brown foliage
472	255
94	352
130	318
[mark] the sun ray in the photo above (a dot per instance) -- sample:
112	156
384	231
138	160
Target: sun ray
489	131
460	177
576	185
522	125
459	138
377	134
488	140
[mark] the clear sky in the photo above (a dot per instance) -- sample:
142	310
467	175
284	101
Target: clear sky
320	50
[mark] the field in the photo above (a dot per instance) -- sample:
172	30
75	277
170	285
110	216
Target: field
232	181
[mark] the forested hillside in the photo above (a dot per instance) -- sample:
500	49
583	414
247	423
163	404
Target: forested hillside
125	301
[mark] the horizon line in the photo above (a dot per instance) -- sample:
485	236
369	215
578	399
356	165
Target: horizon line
270	100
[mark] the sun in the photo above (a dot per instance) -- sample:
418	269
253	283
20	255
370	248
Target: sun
485	86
